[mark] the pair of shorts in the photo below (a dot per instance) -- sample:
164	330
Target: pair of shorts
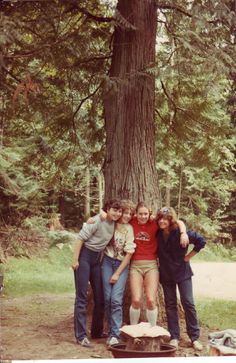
142	267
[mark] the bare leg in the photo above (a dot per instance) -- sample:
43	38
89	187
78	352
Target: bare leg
151	281
136	288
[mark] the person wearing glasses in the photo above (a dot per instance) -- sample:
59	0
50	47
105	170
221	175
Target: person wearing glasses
175	271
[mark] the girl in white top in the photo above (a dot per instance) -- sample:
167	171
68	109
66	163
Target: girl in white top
115	269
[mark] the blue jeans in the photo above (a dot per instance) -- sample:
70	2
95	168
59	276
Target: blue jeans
186	297
113	295
89	271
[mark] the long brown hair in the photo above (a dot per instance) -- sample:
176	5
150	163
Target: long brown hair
170	214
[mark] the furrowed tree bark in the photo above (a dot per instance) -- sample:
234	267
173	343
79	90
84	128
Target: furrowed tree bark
129	108
129	167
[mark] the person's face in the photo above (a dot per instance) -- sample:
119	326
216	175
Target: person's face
126	216
164	223
114	214
143	215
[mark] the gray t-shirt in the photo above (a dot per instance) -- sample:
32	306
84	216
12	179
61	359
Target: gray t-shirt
96	236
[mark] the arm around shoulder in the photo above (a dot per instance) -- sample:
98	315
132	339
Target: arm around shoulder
184	239
89	229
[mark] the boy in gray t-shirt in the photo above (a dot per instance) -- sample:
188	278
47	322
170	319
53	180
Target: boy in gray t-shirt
92	239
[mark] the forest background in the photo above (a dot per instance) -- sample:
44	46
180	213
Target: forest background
89	111
55	59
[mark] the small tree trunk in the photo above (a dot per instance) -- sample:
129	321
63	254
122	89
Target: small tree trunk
168	190
100	190
87	193
180	191
62	208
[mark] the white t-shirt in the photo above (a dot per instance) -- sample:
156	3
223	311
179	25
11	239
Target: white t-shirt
122	242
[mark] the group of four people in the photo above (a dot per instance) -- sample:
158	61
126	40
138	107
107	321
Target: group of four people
124	240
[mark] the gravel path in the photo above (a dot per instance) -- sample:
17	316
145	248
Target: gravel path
215	280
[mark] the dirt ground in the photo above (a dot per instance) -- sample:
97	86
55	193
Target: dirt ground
41	327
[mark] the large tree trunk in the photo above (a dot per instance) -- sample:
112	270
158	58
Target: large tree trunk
129	166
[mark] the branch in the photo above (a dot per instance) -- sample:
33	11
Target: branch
158	113
87	60
90	15
173	7
83	100
169	98
11	74
181	10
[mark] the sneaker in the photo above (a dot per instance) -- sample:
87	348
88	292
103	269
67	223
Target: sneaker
197	345
174	343
112	341
85	342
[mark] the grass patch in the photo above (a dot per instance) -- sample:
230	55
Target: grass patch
216	314
216	252
47	274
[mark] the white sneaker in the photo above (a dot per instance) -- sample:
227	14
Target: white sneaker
112	341
174	343
85	342
197	345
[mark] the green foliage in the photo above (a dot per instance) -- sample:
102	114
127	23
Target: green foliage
216	252
55	60
196	138
51	273
216	314
63	237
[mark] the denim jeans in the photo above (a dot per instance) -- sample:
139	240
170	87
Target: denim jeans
89	271
113	295
186	297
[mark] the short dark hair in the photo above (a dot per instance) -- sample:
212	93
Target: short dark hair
113	203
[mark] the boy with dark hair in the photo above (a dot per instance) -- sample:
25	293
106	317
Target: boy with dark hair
92	239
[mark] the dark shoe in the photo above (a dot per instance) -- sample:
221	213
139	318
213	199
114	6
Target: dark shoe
85	342
100	336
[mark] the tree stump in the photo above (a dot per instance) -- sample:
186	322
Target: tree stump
144	337
147	344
